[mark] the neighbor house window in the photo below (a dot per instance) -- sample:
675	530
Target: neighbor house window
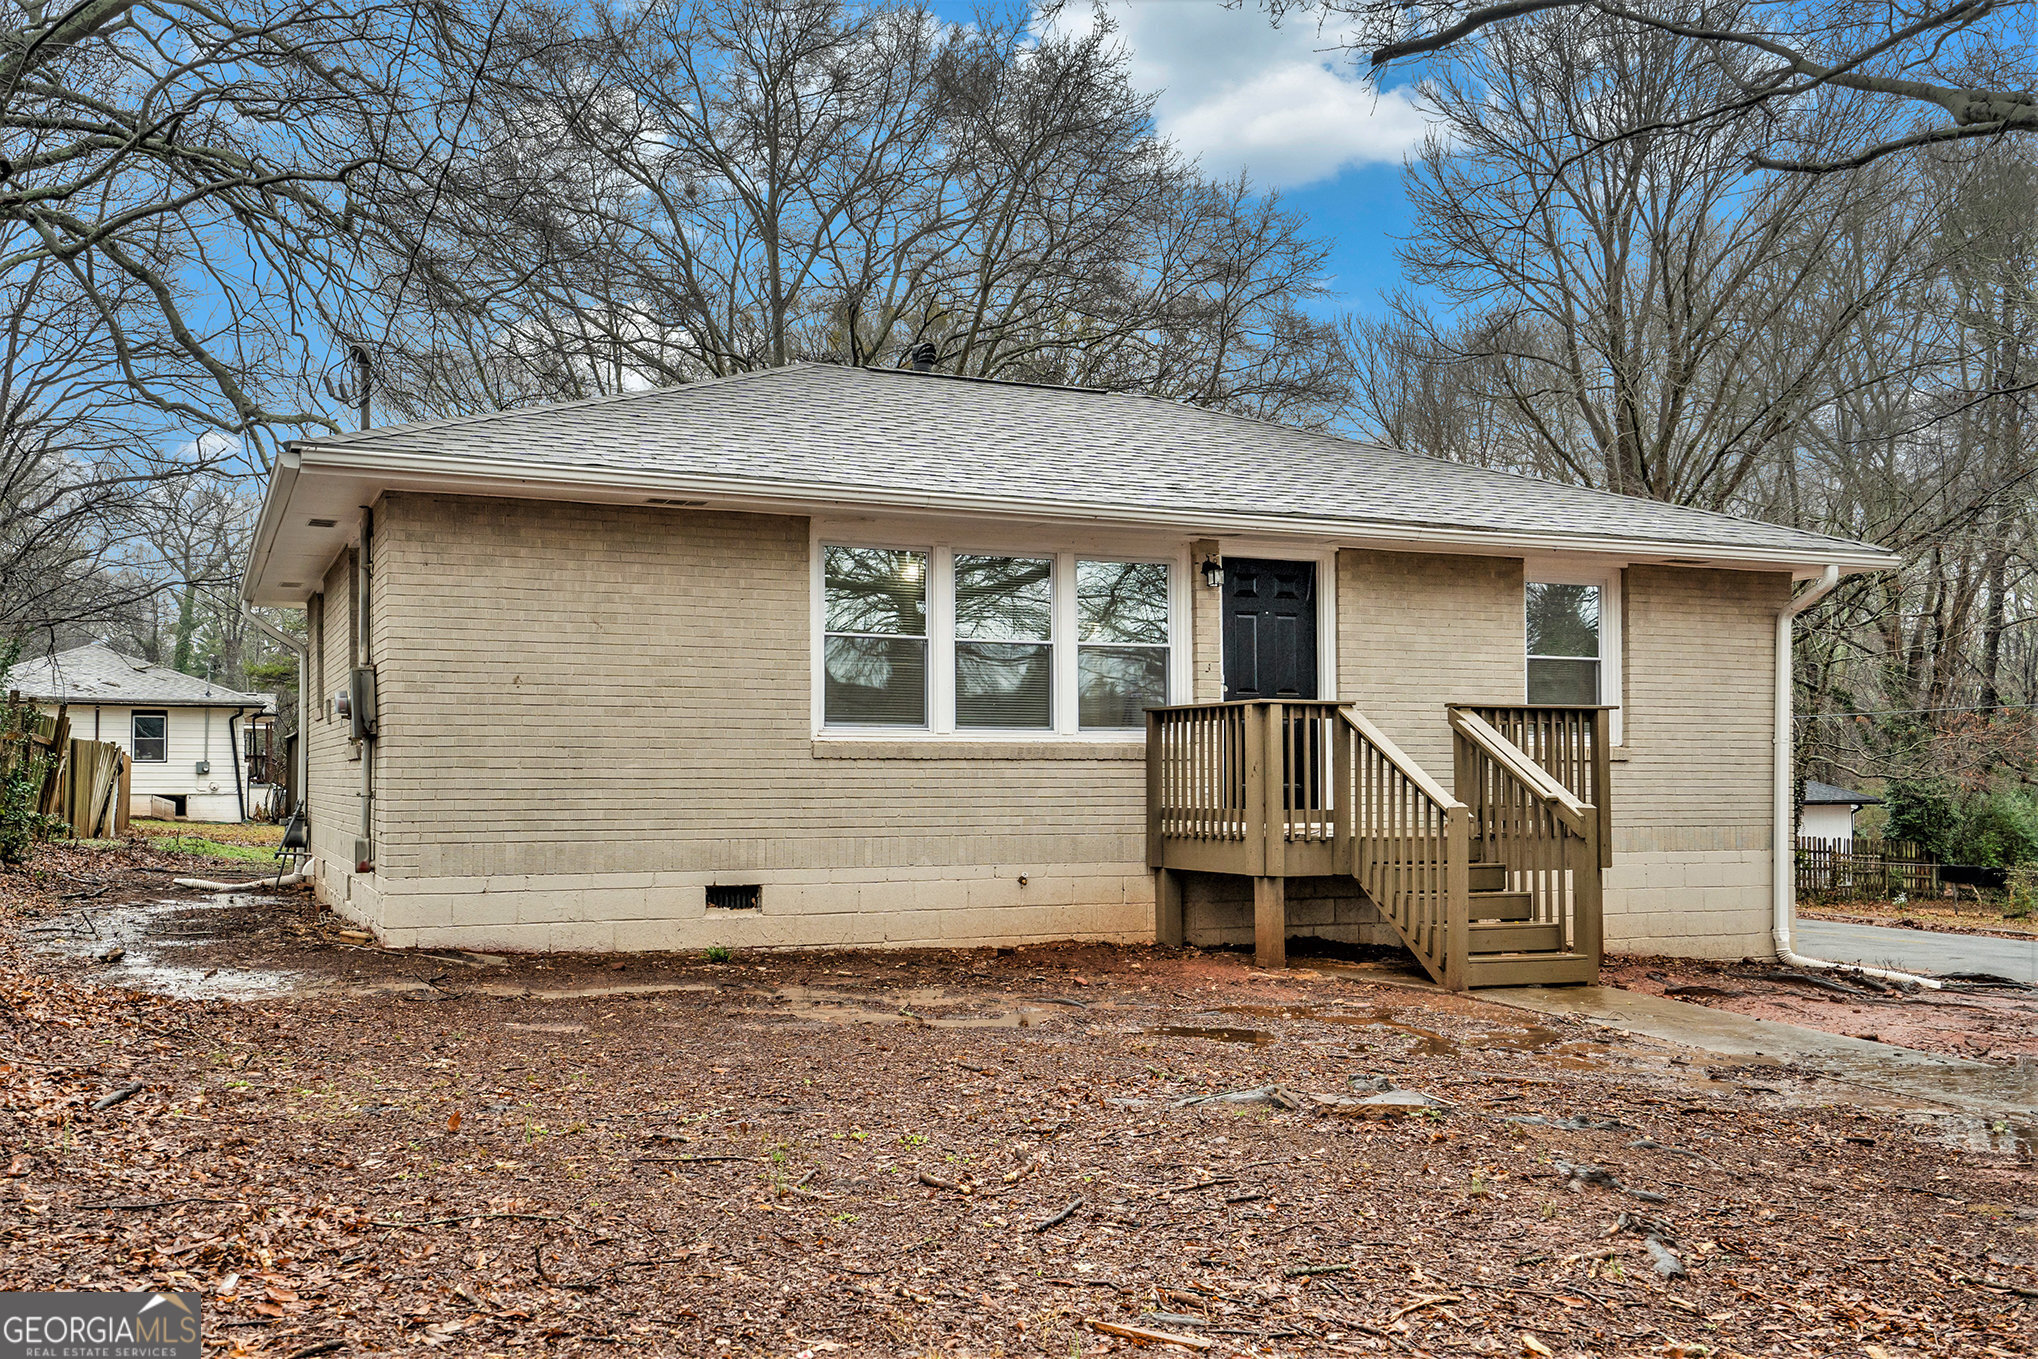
1004	642
151	737
875	602
1122	641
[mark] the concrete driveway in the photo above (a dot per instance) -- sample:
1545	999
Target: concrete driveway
1917	950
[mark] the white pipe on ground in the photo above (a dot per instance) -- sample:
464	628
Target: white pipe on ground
207	885
1783	869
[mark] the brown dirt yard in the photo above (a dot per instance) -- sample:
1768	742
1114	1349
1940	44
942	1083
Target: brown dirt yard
353	1151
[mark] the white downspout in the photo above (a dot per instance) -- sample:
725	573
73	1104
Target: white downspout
1783	839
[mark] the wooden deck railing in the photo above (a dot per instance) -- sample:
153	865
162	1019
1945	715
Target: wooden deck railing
1572	745
1309	788
1543	834
1274	790
1242	788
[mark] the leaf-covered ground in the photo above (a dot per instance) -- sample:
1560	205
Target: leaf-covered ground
939	1154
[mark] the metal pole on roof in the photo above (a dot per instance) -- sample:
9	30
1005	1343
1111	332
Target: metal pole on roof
354	389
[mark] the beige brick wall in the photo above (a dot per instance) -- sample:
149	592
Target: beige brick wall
1691	830
589	714
333	791
1419	630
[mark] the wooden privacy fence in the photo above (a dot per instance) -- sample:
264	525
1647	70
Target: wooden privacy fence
85	784
1867	867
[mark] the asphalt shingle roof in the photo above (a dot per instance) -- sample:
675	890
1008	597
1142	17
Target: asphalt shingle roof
99	674
811	427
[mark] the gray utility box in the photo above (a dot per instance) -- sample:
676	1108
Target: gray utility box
356	703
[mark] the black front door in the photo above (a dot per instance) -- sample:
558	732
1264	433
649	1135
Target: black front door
1269	629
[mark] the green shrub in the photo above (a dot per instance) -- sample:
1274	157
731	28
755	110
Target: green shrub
1999	829
716	953
2022	897
1925	812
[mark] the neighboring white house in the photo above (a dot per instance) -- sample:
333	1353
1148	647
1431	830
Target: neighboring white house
188	736
1829	811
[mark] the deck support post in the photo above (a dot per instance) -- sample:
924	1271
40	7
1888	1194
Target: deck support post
1169	928
1270	922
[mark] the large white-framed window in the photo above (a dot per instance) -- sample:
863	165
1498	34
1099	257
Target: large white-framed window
1573	629
951	634
874	650
1122	650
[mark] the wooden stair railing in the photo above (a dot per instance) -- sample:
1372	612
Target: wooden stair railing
1408	842
1573	745
1545	843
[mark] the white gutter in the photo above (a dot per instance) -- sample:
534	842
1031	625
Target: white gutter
268	521
1783	869
301	649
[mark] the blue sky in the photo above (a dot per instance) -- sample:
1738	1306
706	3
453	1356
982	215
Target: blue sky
1285	105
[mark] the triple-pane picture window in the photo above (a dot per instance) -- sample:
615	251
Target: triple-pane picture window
988	642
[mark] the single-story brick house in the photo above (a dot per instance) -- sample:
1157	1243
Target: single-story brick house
824	655
195	744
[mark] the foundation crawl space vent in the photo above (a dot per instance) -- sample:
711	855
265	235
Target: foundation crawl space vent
747	897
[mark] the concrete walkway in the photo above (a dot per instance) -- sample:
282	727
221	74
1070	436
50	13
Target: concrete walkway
1925	951
1929	1077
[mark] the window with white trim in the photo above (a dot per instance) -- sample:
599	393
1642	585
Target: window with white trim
151	737
1004	642
961	640
1122	641
1573	631
1563	643
875	657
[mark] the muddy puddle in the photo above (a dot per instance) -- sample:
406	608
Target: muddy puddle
150	936
917	1006
1258	1038
1427	1042
1974	1132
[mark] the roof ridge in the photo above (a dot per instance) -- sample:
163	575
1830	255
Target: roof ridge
995	381
549	407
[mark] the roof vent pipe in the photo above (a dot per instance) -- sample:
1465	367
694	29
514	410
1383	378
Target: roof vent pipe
923	356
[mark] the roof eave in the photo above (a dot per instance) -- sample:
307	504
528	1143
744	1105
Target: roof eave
275	503
409	468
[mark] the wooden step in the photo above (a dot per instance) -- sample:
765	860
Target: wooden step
1530	969
1489	877
1500	906
1528	936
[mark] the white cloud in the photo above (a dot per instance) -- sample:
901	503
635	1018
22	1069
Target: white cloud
1283	103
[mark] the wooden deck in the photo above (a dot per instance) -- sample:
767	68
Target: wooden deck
1494	882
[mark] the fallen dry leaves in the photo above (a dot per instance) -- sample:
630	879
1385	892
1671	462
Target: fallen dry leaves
771	1157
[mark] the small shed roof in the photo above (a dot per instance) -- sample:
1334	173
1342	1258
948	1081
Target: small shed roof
1818	794
97	674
